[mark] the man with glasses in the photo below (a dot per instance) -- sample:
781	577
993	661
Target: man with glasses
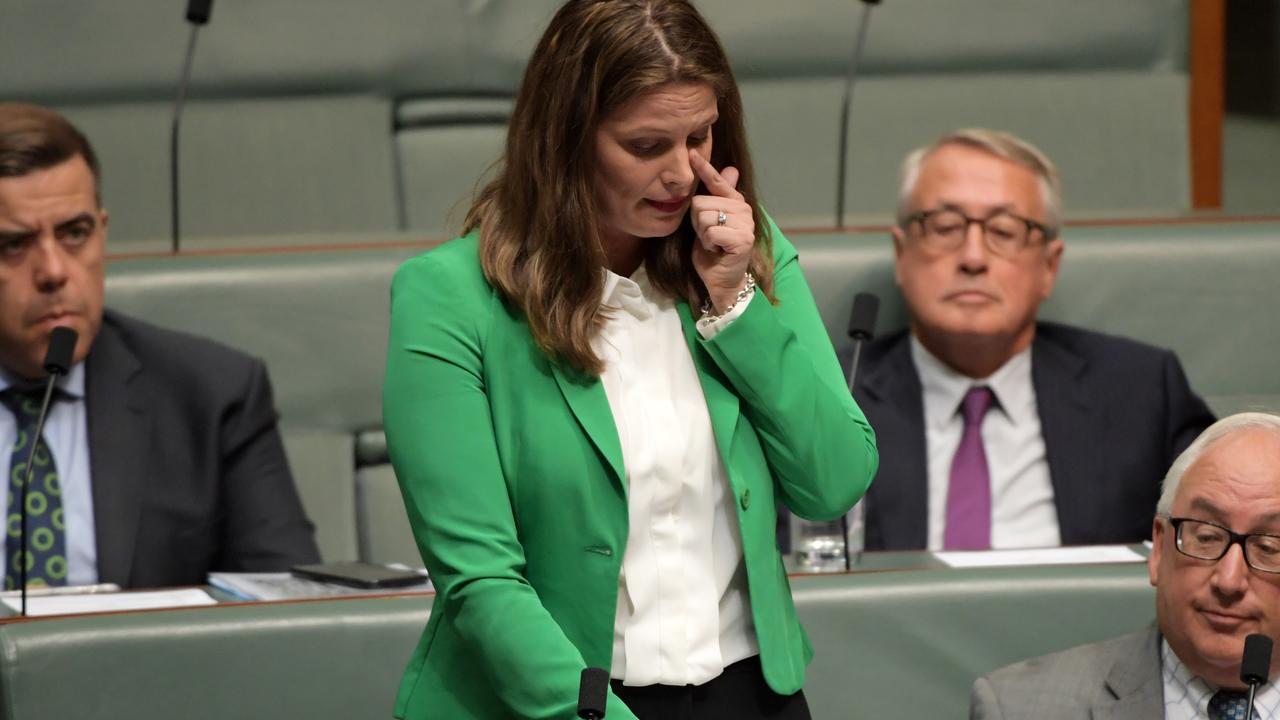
996	430
1215	564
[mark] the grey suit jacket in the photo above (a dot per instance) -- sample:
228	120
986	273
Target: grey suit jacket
1117	679
187	466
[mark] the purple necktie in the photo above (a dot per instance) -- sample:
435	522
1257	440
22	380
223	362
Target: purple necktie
969	495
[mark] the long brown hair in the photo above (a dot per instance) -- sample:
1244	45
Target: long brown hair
539	237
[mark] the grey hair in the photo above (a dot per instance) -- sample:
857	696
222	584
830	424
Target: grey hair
1001	144
1215	432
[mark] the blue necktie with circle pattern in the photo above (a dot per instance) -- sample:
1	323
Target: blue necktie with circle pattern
46	541
1229	705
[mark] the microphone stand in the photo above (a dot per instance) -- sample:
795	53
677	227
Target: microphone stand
174	128
26	482
844	519
862	327
57	360
197	15
855	59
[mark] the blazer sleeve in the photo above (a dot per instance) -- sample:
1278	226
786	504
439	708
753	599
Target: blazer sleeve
779	359
441	441
266	527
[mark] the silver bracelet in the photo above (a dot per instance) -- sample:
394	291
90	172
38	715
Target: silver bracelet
743	294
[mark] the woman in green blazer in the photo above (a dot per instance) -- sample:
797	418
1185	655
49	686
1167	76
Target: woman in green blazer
505	385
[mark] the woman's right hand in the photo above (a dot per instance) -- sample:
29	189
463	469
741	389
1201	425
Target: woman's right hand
722	254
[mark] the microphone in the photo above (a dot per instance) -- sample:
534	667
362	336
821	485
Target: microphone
198	11
854	60
862	327
57	360
593	693
1255	665
198	15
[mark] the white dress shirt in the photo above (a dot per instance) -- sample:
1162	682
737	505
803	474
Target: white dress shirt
1186	696
683	613
1022	508
66	431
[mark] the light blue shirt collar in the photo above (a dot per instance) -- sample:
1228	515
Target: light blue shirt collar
71	384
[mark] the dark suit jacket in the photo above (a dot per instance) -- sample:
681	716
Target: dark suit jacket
1114	414
188	470
1117	679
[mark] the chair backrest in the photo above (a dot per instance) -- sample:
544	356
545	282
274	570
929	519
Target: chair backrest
1200	289
332	117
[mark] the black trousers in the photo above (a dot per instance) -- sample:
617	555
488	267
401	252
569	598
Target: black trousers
739	693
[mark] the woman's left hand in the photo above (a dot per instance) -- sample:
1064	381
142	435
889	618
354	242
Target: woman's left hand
723	249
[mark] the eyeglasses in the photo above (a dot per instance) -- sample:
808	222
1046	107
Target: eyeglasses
1204	540
1004	233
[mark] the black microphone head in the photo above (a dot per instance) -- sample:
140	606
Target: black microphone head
62	346
1255	665
862	321
593	692
198	11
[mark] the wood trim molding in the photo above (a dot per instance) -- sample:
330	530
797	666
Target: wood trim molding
1207	62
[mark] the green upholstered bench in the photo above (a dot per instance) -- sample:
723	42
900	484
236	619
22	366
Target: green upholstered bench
905	643
310	659
911	643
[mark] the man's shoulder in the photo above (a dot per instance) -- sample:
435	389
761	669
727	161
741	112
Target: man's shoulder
173	351
1094	344
1077	676
886	348
1074	339
1075	661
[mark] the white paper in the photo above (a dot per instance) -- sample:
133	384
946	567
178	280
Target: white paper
1084	555
41	605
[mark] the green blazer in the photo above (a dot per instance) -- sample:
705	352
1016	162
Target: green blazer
513	480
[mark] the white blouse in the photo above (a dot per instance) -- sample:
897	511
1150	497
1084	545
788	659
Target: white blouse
683	613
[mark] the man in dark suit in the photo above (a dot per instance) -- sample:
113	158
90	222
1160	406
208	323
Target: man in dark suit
161	459
996	430
1215	564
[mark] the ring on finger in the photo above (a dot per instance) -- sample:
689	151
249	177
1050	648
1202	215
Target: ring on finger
721	219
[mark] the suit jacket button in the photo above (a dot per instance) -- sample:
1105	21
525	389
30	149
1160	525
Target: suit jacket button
746	498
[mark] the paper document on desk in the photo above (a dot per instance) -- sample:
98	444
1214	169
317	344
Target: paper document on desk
1083	555
43	605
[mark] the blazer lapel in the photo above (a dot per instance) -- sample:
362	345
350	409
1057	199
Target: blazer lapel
890	395
1070	434
722	403
1135	681
119	444
586	398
